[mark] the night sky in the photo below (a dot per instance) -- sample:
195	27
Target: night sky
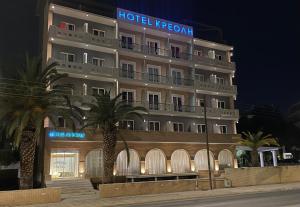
265	35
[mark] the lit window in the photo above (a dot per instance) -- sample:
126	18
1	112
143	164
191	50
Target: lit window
67	57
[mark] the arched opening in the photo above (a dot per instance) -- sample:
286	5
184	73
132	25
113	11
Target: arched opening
225	159
201	160
155	162
180	161
94	163
134	163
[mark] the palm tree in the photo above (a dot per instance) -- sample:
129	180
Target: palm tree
106	113
25	103
254	141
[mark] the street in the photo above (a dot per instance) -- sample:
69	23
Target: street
289	198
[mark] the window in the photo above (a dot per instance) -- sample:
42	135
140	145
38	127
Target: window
127	41
153	47
98	62
97	91
128	95
198	52
177	76
177	101
153	99
221	104
175	51
99	33
220	81
127	70
127	124
218	57
223	129
67	26
154	126
68	57
154	73
61	122
199	77
200	102
177	127
201	128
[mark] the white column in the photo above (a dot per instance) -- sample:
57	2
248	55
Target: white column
261	158
274	158
86	27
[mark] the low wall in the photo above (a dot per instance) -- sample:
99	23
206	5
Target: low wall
156	187
28	197
262	176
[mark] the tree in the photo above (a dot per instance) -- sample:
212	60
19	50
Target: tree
254	141
25	103
106	113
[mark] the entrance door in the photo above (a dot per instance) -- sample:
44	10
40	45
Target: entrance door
64	163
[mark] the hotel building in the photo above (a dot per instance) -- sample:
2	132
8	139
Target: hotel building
154	63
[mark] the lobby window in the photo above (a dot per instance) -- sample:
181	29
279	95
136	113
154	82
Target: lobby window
221	104
175	51
97	91
127	124
154	126
99	33
201	128
127	41
127	70
178	127
223	129
98	62
220	81
67	57
61	122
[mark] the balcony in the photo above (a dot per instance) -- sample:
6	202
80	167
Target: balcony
82	37
157	52
148	78
214	87
213	62
188	111
83	68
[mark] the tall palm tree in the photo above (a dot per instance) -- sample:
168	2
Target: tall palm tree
25	103
254	141
106	113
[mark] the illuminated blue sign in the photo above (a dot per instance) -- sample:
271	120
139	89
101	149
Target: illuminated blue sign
155	23
60	134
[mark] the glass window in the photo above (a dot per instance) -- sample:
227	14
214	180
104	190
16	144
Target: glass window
97	91
220	80
127	70
127	124
99	33
221	104
201	128
68	57
175	51
154	126
127	42
98	62
177	127
223	129
128	96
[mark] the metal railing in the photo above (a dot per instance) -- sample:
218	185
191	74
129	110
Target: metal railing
213	62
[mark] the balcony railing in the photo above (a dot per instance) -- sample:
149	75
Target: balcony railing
83	68
188	110
215	87
213	62
83	37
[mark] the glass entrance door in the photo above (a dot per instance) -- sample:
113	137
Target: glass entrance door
64	163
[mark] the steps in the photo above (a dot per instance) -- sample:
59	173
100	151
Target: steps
74	188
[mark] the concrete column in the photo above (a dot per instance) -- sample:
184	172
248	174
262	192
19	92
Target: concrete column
142	164
117	30
274	158
169	168
261	158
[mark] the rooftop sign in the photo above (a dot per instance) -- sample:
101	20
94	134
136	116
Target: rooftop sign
154	23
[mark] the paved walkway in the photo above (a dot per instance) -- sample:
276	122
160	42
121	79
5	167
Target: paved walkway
170	196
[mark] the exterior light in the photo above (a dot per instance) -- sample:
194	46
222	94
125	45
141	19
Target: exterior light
87	45
146	84
194	123
217	166
171	87
87	15
144	28
170	61
145	56
52	7
114	21
52	39
85	76
143	170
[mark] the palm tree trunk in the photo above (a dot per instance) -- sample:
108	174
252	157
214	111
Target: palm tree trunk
27	152
109	145
254	158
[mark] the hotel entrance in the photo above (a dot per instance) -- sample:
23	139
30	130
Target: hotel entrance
64	164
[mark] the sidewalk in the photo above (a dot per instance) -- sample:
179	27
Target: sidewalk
171	196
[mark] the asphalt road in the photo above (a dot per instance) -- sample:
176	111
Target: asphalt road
273	199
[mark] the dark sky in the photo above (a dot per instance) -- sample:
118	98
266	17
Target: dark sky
265	35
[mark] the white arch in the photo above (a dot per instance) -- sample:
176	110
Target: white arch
180	161
155	162
225	159
201	160
94	163
134	163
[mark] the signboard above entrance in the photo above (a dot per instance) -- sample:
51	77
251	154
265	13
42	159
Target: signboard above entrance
61	134
154	23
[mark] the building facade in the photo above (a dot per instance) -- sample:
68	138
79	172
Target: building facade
154	63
